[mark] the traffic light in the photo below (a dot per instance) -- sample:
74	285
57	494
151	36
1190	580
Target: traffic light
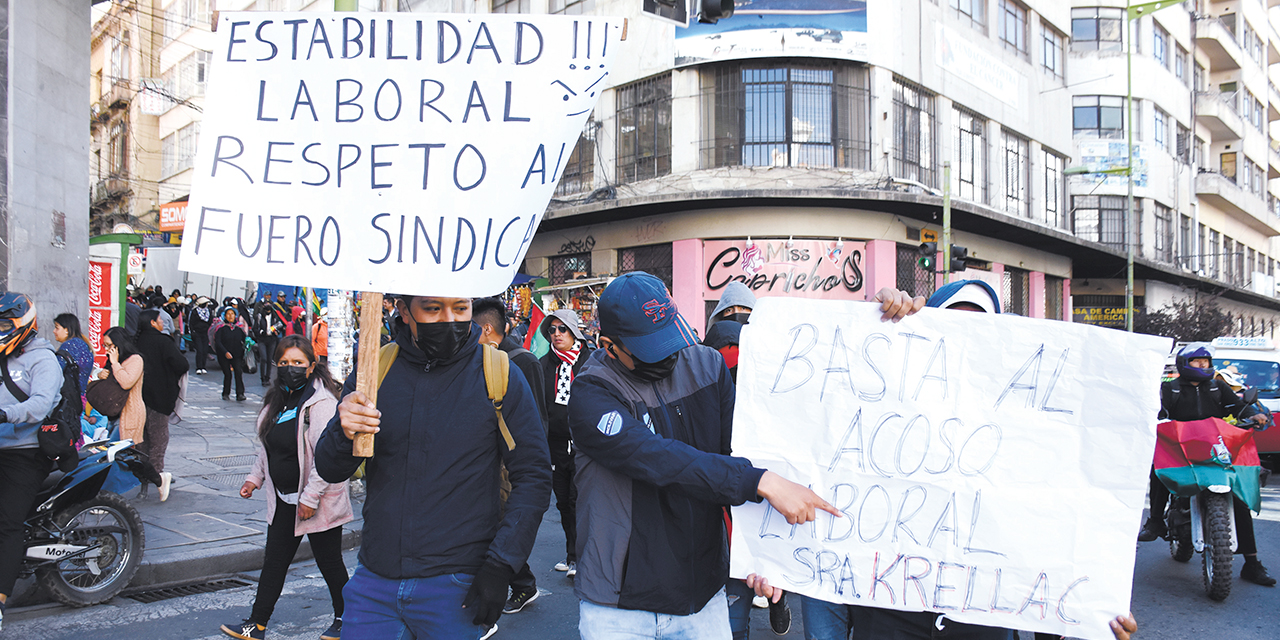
928	259
958	255
710	11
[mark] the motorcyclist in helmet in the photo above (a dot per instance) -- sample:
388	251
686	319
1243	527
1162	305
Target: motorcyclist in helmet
34	369
1196	395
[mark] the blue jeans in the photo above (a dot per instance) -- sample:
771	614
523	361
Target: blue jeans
831	621
414	608
825	620
608	623
739	596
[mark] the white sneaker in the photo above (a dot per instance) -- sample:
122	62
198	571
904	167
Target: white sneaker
489	632
573	569
760	602
563	566
166	479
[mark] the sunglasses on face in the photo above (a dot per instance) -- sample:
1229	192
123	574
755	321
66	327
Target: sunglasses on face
559	329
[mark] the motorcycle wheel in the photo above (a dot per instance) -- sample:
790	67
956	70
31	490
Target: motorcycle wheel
1217	552
106	520
1180	546
1178	522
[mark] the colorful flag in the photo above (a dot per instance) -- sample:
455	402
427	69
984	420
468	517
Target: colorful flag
534	340
1191	456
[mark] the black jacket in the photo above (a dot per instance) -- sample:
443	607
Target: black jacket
1183	401
532	371
558	414
266	318
229	338
162	367
432	503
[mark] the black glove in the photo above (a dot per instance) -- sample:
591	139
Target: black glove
488	593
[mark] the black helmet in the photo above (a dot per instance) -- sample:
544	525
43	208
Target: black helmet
17	321
1194	351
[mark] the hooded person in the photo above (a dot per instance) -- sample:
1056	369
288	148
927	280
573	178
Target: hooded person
228	344
966	295
735	304
560	366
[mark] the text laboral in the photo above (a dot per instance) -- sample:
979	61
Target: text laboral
407	153
991	468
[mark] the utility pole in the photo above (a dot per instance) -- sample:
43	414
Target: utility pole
946	222
340	301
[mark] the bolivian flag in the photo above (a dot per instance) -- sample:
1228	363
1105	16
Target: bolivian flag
1193	455
534	340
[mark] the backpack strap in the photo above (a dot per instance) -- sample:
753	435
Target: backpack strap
9	384
496	372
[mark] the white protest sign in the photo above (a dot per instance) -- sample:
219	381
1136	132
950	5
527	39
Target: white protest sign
990	468
409	153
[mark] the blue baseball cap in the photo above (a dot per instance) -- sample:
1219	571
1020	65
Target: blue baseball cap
636	309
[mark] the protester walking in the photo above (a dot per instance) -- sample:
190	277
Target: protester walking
164	367
228	343
569	351
268	328
34	369
295	411
199	319
439	568
320	336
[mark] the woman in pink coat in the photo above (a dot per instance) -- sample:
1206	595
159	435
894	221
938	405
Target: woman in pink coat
295	411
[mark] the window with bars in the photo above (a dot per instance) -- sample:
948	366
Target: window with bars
969	159
1051	59
1099	219
1054	189
1053	288
1016	296
120	60
1102	116
1214	251
1013	26
914	141
1015	152
118	150
911	278
973	10
1229	274
785	114
1164	233
1096	29
654	259
1185	250
644	129
572	7
1182	144
579	171
570	267
511	6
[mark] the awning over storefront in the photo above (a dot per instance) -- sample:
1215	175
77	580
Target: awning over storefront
577	284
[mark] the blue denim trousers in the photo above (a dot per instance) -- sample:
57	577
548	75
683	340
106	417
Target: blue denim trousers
596	622
832	621
739	595
378	608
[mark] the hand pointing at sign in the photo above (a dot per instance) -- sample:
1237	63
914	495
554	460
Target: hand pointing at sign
797	503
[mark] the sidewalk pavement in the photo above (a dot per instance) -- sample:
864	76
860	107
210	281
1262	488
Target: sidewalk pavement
205	528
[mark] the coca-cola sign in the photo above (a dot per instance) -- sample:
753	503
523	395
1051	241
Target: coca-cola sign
99	284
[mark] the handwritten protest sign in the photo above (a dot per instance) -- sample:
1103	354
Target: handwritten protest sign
396	152
990	468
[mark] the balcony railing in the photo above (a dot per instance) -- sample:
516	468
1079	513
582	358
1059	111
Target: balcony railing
1217	38
1220	112
109	189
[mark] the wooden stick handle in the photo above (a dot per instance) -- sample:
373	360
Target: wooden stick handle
367	361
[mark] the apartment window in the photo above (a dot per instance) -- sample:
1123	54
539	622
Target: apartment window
1227	165
1135	35
1161	133
786	114
1013	26
969	162
1101	116
168	155
1229	274
914	143
1054	188
1164	233
1200	77
188	77
572	7
185	14
1199	151
1182	145
1099	219
579	172
570	267
1160	45
644	129
1258	114
654	259
1257	185
1180	62
118	150
974	10
1016	153
1185	250
511	6
1096	29
1215	255
186	153
1051	51
120	59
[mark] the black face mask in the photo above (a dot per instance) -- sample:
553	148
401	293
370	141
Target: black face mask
740	318
441	340
291	378
655	371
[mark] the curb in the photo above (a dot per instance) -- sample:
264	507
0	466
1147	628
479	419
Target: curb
200	564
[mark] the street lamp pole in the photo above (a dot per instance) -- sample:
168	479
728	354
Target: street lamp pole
1128	210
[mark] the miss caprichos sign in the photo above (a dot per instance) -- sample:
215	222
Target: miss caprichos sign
990	468
406	152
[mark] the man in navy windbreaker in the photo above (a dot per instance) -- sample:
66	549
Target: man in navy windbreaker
438	549
651	415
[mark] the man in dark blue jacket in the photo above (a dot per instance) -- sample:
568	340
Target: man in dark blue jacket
651	416
438	550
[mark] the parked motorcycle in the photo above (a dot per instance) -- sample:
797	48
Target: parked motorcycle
1203	463
83	541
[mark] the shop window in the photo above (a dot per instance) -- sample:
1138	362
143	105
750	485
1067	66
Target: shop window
1053	297
785	114
1096	29
1016	296
911	278
644	129
1016	157
654	259
969	156
1099	219
570	267
579	171
914	140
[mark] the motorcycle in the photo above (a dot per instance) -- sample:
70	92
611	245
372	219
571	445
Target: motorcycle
1203	463
83	541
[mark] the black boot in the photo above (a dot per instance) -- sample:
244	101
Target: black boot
1254	572
1152	529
